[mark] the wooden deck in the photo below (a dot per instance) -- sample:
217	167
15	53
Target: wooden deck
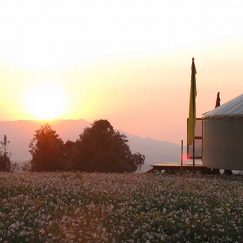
176	167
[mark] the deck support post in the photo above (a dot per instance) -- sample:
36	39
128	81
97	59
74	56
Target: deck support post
181	156
193	155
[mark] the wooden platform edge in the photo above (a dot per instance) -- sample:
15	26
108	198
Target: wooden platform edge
175	167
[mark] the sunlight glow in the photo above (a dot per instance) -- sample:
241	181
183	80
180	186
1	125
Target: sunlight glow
121	60
46	102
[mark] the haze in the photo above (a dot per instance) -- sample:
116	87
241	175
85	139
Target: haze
126	61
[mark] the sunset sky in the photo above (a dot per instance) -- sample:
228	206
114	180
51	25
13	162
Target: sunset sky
127	61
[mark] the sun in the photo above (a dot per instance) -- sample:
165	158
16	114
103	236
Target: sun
46	102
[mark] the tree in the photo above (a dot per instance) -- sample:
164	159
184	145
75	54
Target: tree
46	149
101	148
69	150
5	163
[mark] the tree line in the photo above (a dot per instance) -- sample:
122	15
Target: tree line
99	148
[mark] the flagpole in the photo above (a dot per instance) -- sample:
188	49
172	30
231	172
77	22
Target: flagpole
181	156
194	111
193	159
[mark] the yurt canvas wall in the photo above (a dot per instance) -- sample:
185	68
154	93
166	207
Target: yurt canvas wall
223	136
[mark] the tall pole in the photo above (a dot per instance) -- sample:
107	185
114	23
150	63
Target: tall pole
5	146
194	112
181	155
193	155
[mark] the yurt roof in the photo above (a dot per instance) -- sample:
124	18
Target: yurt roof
232	108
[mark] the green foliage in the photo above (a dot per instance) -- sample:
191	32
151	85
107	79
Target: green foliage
5	163
101	148
46	148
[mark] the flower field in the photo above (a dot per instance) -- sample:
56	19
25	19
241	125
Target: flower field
80	207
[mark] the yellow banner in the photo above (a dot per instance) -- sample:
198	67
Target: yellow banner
192	105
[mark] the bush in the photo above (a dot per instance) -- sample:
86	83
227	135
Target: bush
5	163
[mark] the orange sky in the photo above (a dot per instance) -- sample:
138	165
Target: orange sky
127	61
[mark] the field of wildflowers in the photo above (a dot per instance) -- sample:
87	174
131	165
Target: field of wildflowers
79	207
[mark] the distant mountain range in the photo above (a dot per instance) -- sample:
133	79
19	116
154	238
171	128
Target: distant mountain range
20	133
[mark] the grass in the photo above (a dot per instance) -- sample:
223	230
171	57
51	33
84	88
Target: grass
80	207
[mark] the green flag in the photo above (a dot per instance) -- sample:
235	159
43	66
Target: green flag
192	105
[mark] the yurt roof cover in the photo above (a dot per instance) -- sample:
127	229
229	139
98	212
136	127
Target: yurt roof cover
233	107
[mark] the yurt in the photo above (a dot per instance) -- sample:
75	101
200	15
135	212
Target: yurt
223	136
